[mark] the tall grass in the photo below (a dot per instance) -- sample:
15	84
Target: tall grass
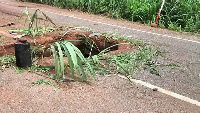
181	15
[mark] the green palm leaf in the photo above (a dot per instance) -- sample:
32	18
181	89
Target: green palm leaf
57	64
60	52
76	60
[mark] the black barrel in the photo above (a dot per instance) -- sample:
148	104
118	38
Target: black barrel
23	53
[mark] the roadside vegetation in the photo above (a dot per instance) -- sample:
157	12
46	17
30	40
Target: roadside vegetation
7	61
82	63
180	15
78	67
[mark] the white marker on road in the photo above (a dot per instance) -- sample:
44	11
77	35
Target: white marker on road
113	25
175	95
167	92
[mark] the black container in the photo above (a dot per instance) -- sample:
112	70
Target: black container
23	53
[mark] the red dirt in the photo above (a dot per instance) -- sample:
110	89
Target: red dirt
7	46
105	95
108	94
101	42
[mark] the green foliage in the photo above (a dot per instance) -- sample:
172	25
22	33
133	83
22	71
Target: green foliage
19	71
41	81
181	15
34	29
126	63
7	61
76	60
38	68
176	13
132	62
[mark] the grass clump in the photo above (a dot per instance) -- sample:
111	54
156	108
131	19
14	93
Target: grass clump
34	24
42	81
7	61
129	63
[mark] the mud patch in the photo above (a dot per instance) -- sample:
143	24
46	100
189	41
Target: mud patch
84	42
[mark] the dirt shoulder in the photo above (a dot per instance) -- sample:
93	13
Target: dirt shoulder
106	94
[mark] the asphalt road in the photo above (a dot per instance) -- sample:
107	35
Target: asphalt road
182	49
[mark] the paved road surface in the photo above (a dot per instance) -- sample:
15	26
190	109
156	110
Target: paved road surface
182	48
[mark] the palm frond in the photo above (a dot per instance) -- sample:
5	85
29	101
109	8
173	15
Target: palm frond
76	60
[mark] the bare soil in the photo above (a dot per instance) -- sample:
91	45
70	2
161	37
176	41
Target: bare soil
104	94
100	42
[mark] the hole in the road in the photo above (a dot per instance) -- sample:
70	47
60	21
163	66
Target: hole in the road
89	45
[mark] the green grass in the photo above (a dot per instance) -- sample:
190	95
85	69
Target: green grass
19	71
41	81
181	15
129	63
125	63
37	25
7	61
104	63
